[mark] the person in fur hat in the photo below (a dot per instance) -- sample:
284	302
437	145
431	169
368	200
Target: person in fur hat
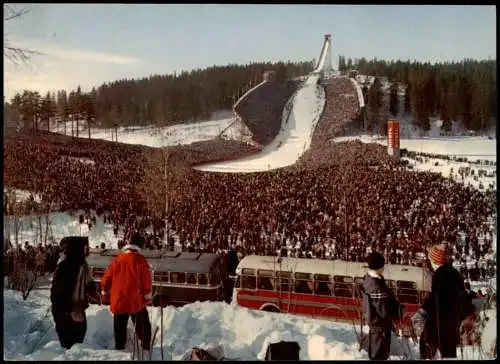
445	307
71	285
380	308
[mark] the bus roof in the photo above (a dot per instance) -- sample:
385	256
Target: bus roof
331	267
159	260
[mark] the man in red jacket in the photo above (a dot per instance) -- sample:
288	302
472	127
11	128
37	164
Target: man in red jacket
129	281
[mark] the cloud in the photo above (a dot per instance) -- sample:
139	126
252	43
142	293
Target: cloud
65	67
64	51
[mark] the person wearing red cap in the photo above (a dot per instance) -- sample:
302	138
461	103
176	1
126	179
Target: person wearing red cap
445	307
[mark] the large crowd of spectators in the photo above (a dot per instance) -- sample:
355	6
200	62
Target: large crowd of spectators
341	201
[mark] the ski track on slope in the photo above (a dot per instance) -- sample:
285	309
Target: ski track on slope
294	137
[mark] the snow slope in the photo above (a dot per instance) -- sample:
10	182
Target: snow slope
292	141
161	137
244	334
471	148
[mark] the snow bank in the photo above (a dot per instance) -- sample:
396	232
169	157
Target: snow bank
292	141
151	136
244	334
471	148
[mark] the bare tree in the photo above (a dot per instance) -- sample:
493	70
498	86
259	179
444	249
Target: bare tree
13	53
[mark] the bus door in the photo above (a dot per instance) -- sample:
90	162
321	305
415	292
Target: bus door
304	294
284	289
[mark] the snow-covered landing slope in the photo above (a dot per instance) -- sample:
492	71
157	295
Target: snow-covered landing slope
292	141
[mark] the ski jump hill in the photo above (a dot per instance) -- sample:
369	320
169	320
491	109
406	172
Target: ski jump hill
287	118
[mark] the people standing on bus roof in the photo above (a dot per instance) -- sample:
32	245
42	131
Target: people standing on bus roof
128	279
380	308
71	284
445	308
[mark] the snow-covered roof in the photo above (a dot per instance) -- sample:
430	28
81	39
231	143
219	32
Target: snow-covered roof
160	261
330	267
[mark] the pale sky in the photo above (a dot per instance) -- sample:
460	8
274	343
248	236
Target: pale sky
90	44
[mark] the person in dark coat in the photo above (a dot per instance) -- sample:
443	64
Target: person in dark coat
68	294
445	308
380	308
232	258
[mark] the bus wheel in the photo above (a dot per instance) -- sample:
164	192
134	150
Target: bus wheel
270	308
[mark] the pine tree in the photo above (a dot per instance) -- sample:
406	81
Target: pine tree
375	98
394	99
407	105
342	64
445	114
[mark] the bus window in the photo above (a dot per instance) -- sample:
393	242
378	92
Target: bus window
178	277
323	284
304	283
248	282
359	280
285	281
265	280
390	283
407	284
343	290
358	287
191	278
247	272
407	296
423	296
342	279
237	282
202	279
214	279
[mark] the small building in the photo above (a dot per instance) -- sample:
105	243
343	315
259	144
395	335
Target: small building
269	76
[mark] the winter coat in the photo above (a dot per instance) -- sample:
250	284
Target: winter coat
447	304
64	282
380	306
128	279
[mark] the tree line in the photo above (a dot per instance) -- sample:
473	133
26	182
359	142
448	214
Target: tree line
464	91
157	99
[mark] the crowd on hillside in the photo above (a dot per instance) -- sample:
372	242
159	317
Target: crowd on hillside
340	201
340	110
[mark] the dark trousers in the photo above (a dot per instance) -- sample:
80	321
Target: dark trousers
142	328
430	344
379	343
68	331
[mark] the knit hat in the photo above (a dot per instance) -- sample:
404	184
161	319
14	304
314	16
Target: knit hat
375	261
438	254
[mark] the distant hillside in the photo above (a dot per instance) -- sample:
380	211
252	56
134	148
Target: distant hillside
158	99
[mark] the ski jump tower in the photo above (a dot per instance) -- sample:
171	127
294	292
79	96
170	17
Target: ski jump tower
324	66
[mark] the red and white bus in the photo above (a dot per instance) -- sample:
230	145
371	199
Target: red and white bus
320	288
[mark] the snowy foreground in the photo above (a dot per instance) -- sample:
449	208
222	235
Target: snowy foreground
294	138
244	334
